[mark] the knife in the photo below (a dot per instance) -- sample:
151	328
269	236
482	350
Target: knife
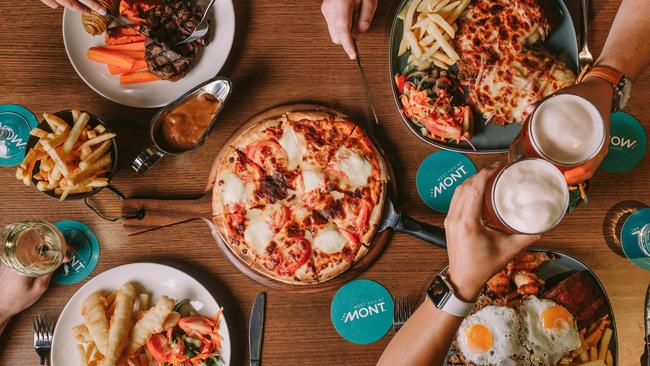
256	329
120	21
365	83
646	316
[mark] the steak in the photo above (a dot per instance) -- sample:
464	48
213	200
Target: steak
170	23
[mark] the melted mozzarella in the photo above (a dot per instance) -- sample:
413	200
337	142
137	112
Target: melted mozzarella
258	233
355	167
234	190
290	144
330	240
311	179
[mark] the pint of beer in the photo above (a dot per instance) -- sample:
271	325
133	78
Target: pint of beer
529	196
567	130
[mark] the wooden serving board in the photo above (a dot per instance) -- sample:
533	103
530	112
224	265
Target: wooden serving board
160	213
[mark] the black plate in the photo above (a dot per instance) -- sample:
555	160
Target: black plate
489	138
66	115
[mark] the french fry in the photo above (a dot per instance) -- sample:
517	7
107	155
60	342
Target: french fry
458	11
98	152
55	141
37	132
437	19
90	170
98	182
584	356
593	354
440	5
82	352
100	129
144	302
440	64
73	190
609	360
58	162
55	122
594	363
100	138
42	186
20	172
79	124
449	50
604	344
75	114
91	134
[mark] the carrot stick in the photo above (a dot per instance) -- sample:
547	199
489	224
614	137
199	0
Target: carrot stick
139	65
138	46
114	70
136	55
138	77
110	57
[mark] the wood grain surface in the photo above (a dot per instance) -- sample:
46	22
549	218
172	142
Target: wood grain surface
282	54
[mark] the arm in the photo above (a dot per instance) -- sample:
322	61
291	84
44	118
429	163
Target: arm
17	293
81	6
626	49
476	253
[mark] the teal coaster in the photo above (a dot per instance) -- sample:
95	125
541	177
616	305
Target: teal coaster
15	123
636	246
439	175
627	144
82	250
362	311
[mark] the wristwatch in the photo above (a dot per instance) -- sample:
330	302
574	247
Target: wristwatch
441	293
621	84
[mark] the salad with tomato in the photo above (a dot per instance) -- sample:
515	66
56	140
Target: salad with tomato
434	101
194	341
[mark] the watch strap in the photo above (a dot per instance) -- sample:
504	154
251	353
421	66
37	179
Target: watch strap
607	73
457	307
441	294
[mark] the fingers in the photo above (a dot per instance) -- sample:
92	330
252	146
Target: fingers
74	5
519	242
338	15
366	13
51	3
475	191
93	5
41	284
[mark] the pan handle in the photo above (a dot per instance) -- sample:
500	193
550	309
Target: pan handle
430	233
156	213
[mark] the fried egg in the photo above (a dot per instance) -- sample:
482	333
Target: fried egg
549	331
490	336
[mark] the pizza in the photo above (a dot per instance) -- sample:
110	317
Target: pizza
298	197
503	64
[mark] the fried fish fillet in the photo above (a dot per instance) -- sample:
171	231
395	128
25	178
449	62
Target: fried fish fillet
150	323
93	311
120	323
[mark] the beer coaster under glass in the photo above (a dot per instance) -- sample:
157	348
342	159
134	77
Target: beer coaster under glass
635	238
362	311
439	175
627	144
82	248
15	123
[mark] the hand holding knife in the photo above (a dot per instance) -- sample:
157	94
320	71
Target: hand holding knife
256	329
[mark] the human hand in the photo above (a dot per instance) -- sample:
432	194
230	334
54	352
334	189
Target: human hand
18	292
600	93
477	252
82	6
347	19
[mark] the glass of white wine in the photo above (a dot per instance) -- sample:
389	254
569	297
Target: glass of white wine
32	248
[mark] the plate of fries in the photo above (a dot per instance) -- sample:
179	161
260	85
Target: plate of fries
113	318
70	154
422	41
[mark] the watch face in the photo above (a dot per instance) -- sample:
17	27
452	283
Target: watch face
438	291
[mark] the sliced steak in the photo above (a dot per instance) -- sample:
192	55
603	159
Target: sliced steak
170	23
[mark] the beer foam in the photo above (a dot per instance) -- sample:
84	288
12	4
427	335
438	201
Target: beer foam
567	129
531	196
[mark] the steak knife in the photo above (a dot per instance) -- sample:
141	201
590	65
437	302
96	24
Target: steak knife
646	316
256	329
120	21
364	79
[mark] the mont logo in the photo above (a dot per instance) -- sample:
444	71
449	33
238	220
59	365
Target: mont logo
82	252
15	123
627	144
362	311
439	175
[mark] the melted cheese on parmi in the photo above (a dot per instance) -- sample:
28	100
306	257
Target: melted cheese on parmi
258	233
234	190
355	167
311	179
330	239
290	143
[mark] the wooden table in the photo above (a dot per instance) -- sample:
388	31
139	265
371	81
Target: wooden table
281	54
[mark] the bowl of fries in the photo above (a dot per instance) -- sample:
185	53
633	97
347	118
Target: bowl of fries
71	154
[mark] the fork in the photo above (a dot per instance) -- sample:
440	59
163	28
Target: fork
402	312
585	56
42	337
201	29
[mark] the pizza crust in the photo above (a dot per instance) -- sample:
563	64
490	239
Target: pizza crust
241	250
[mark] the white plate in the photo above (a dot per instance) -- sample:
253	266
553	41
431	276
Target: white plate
157	280
158	93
